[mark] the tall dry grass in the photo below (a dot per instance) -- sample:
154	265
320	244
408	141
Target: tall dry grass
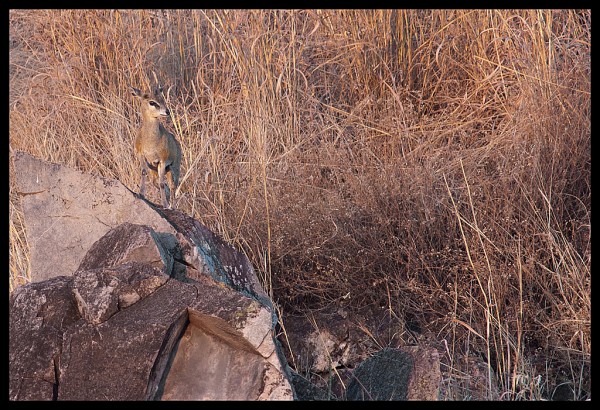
434	163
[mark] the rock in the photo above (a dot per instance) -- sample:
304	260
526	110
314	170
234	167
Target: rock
35	340
164	310
118	358
206	254
384	376
426	375
66	211
131	243
397	374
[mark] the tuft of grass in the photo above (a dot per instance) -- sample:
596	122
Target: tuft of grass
434	163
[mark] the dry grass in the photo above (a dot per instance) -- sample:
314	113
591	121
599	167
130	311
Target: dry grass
434	163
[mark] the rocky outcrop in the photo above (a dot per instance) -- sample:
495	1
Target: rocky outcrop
129	301
133	302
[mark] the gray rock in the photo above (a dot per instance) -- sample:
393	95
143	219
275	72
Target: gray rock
383	376
397	374
66	211
131	243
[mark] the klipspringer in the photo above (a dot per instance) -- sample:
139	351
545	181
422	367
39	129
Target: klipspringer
157	150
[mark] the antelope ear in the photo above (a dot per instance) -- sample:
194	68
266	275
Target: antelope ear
135	91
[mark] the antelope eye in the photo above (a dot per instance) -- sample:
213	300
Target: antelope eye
154	104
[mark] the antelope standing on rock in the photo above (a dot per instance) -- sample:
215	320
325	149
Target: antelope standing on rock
157	150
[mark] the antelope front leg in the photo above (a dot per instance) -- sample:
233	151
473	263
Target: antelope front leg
161	184
144	168
171	187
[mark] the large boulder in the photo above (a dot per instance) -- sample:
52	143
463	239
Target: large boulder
155	308
66	211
